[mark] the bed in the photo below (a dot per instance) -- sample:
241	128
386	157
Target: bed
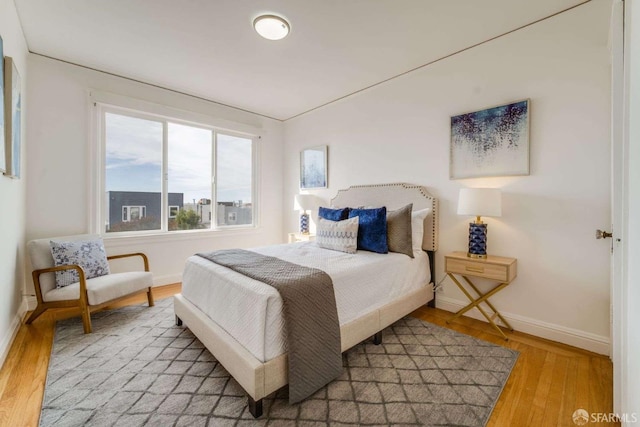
240	319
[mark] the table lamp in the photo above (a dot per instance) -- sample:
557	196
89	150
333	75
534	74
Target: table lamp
479	202
304	203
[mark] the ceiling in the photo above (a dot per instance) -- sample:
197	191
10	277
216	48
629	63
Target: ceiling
208	48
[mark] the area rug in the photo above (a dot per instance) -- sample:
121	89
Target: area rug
137	368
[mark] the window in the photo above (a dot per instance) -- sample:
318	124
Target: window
165	175
235	175
133	213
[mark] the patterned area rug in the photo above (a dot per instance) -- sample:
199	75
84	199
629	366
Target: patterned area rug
138	368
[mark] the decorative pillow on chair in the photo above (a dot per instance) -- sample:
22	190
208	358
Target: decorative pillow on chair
372	230
333	214
399	230
338	235
88	254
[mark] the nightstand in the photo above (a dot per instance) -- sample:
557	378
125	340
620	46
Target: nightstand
500	269
300	237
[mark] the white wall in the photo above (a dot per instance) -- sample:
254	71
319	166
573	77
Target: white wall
59	159
12	196
399	132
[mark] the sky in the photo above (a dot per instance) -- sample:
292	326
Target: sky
134	160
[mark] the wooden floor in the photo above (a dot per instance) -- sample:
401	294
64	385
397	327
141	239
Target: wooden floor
549	382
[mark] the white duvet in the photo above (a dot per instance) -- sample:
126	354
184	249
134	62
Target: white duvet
251	311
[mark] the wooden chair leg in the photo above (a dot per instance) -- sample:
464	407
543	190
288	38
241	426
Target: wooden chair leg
37	312
86	319
150	297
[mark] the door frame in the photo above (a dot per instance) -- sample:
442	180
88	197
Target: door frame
617	316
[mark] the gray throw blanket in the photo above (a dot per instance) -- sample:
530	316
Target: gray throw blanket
310	315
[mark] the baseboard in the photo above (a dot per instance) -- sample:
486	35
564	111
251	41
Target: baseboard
7	340
574	337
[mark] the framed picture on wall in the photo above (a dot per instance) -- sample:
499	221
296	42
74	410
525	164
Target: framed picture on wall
13	118
313	168
3	154
490	142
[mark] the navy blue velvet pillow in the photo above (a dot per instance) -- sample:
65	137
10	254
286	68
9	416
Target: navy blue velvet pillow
372	229
333	214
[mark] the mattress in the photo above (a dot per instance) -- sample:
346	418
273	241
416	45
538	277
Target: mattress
251	311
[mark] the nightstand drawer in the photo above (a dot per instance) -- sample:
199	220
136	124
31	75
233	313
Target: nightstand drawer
478	269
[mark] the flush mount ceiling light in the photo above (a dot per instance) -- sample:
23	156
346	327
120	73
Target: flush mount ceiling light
271	27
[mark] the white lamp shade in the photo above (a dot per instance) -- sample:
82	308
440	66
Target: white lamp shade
480	202
305	202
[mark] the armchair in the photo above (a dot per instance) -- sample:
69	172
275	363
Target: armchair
87	294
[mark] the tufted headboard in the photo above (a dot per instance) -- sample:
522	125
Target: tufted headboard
394	196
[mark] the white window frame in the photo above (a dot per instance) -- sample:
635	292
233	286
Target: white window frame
103	102
176	207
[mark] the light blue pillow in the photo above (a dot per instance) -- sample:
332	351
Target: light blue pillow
338	235
88	254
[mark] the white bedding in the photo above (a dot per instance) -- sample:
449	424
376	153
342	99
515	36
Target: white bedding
251	311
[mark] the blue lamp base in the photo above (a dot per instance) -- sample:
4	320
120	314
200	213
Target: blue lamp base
304	223
477	240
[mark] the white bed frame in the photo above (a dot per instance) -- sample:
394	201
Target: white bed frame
259	379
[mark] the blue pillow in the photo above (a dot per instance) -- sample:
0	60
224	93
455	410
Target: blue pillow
333	214
372	229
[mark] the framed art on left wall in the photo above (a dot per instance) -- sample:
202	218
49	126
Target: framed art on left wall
13	119
3	155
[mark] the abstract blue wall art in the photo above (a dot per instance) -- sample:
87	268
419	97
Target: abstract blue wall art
491	142
313	168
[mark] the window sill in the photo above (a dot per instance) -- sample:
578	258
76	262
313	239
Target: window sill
176	236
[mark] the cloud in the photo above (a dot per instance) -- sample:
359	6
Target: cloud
132	141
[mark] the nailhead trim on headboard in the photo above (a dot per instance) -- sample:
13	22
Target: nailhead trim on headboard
399	195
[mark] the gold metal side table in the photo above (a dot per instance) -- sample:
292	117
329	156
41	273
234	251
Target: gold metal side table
501	269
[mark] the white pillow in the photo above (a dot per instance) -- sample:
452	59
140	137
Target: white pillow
88	254
417	227
338	235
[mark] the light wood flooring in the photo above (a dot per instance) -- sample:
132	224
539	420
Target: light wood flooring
549	382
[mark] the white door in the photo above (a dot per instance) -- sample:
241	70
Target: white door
625	260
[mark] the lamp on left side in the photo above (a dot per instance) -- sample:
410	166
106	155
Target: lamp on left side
304	203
